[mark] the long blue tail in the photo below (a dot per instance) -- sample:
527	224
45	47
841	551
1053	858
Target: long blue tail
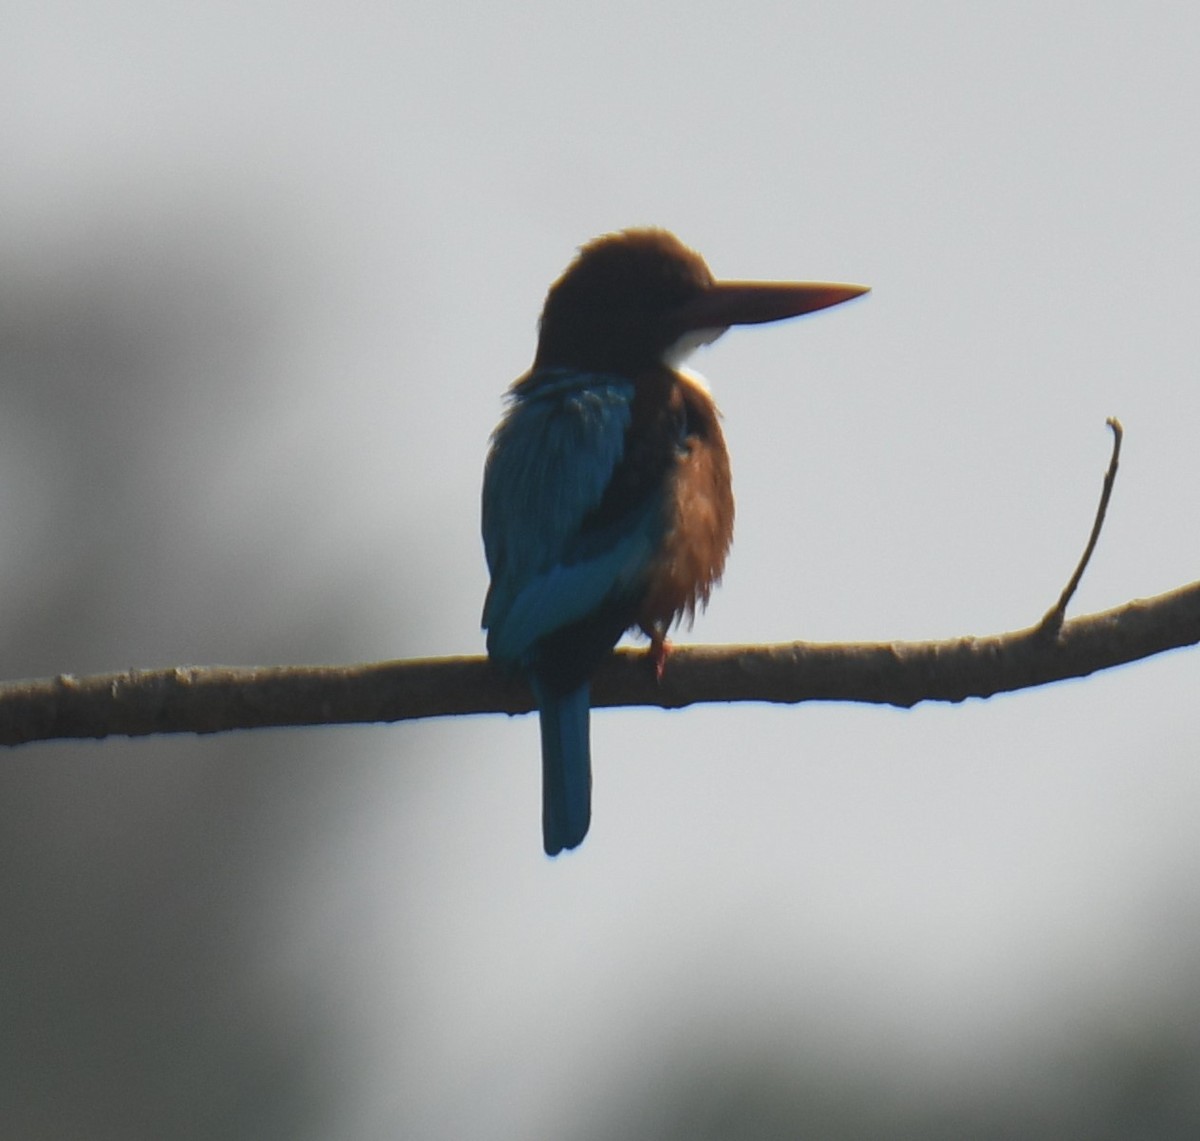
566	766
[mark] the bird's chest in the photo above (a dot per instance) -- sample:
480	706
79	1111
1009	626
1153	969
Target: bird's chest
684	434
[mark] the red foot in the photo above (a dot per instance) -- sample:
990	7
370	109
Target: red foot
659	649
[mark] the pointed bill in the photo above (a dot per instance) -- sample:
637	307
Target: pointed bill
757	302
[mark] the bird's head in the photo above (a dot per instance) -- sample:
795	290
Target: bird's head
632	298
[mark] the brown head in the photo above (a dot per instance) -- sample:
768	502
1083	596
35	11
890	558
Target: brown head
629	297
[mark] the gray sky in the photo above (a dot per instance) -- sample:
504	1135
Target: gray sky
294	254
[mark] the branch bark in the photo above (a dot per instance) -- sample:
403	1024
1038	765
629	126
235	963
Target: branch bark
195	699
216	699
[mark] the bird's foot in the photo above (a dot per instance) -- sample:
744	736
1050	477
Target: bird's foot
659	649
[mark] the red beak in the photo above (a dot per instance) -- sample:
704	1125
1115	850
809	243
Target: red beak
728	303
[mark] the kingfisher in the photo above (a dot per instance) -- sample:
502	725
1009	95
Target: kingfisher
607	501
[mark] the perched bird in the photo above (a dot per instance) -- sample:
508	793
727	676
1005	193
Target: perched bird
606	496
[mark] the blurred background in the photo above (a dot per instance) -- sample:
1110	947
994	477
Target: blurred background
266	271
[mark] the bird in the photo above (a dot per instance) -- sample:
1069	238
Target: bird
607	501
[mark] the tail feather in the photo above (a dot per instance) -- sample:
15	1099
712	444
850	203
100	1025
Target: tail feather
566	767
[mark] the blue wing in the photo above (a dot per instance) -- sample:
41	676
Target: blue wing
551	460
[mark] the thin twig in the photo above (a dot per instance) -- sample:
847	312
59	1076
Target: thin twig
1051	624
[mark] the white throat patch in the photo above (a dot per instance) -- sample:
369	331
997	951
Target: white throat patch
676	353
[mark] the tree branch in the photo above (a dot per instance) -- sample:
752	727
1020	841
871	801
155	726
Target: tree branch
1053	619
196	699
216	699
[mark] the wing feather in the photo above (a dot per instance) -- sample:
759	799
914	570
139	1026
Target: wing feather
551	460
